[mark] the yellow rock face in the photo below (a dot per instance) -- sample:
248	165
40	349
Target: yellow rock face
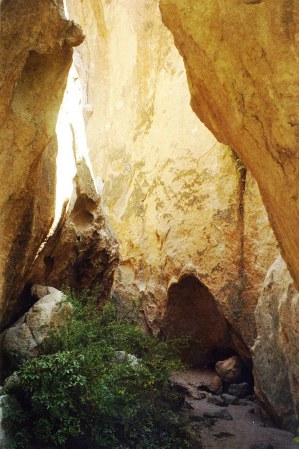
242	63
177	199
35	56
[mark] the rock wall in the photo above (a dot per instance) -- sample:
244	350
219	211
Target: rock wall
276	350
35	56
175	196
82	253
242	64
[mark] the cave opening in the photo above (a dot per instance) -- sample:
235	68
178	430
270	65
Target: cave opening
192	311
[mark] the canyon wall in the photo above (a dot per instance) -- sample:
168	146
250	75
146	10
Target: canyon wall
35	56
276	350
194	236
179	201
242	63
81	250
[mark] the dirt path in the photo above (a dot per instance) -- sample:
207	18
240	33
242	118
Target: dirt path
241	427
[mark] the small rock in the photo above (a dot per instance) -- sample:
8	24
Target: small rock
202	423
229	399
208	423
199	395
122	356
196	417
229	370
12	383
219	414
261	445
239	390
188	405
252	411
188	390
215	385
217	400
244	402
223	434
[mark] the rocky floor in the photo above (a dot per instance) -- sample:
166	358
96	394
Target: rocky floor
238	423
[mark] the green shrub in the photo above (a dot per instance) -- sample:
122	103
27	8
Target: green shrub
77	395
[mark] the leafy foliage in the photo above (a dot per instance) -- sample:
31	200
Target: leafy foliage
76	394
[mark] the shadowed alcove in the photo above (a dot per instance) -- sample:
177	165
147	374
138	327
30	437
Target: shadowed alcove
192	311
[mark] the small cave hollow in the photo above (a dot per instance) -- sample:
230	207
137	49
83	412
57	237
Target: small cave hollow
82	214
192	311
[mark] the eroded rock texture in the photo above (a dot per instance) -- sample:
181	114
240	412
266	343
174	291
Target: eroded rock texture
83	251
35	56
173	194
242	63
276	350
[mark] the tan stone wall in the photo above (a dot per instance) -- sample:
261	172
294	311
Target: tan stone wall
175	197
242	63
35	56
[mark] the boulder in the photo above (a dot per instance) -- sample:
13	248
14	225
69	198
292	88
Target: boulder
123	356
229	399
198	381
217	400
239	390
219	414
229	370
50	311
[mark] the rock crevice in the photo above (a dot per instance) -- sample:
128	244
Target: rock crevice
36	53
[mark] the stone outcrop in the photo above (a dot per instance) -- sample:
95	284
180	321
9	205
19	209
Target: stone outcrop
242	64
276	350
35	57
83	251
173	194
50	311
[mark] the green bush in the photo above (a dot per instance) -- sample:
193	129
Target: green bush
77	395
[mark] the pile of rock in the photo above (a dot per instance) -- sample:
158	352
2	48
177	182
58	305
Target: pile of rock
222	410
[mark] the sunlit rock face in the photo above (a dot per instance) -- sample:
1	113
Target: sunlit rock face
35	56
81	251
174	196
276	350
242	63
